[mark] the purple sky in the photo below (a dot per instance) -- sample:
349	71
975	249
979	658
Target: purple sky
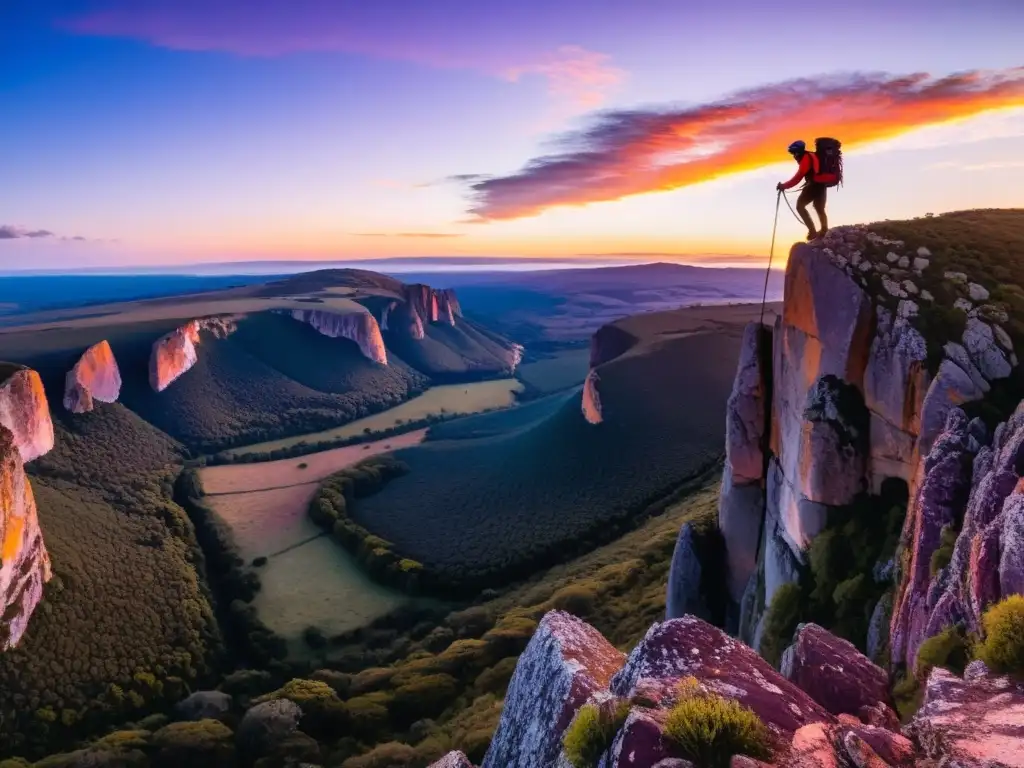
179	130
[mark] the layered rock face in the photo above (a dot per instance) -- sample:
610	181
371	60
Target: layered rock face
26	433
24	411
842	717
421	306
360	327
852	404
94	377
175	353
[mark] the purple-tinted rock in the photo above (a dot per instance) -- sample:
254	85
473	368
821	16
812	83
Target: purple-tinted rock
682	595
639	742
983	350
745	411
1011	546
590	402
689	647
833	671
453	760
740	512
976	724
950	388
938	501
565	663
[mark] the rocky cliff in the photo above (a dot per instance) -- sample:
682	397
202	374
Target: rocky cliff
26	433
420	306
175	353
94	377
24	411
844	397
829	708
608	342
360	327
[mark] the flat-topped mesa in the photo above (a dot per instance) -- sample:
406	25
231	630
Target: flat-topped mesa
175	353
360	327
24	411
94	377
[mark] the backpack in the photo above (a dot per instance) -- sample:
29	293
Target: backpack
830	161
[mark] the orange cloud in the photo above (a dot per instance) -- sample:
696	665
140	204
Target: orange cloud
626	153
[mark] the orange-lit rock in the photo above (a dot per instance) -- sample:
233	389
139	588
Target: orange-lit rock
591	404
24	562
24	410
360	327
175	353
94	377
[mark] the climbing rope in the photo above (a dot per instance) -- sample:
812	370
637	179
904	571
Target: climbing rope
795	214
771	253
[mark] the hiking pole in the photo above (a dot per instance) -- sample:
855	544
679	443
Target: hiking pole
764	296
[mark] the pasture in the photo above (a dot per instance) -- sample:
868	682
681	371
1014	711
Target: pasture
448	398
565	368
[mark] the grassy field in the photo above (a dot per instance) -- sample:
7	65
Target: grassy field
450	398
239	478
566	368
307	579
319	584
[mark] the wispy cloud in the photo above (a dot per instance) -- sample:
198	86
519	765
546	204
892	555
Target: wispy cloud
409	234
1004	165
11	232
630	152
419	33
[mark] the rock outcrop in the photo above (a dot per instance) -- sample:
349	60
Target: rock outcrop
841	719
591	398
360	327
977	721
26	433
24	411
95	377
565	663
420	306
854	406
175	353
834	672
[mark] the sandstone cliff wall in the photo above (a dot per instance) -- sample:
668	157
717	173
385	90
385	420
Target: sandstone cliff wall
175	353
26	432
94	377
850	403
360	327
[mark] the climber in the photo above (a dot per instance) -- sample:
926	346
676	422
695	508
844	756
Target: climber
815	189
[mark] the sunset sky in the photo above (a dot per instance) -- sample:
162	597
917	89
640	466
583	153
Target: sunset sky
144	132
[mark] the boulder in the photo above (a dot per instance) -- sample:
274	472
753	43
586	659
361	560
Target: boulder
590	403
265	725
985	353
640	741
205	705
971	724
24	411
24	561
833	671
453	760
683	594
951	387
977	292
958	355
94	377
942	492
566	662
360	327
688	647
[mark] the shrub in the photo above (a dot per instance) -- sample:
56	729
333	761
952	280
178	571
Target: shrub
1003	647
202	744
944	552
947	649
591	733
575	600
393	754
780	622
709	730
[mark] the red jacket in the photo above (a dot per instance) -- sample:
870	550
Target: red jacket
809	167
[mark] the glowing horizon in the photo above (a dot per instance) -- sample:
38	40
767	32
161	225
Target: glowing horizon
157	132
